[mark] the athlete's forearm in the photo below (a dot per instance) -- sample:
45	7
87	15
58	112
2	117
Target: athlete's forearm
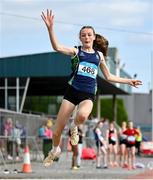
110	77
116	79
53	39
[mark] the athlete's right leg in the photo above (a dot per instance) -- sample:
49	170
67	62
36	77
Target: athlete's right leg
115	152
129	158
133	150
104	151
98	159
63	116
122	150
110	151
123	154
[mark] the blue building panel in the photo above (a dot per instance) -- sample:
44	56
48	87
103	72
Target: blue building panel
38	65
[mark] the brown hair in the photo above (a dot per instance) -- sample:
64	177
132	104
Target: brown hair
101	121
87	27
101	44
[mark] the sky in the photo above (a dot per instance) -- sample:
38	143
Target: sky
128	25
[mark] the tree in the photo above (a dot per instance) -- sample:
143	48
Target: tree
107	110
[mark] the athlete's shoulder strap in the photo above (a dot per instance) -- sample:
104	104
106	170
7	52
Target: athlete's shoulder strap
99	54
78	48
75	60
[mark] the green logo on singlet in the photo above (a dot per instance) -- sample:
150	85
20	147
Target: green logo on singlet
74	62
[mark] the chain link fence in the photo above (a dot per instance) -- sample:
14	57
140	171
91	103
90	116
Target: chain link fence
31	123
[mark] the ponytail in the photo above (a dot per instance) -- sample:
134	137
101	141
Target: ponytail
101	44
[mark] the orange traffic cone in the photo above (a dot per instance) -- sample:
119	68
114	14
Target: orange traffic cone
26	166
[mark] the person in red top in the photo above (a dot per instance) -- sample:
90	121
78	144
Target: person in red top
131	142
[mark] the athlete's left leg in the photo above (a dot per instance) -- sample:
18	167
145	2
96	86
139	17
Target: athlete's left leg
133	150
115	149
84	110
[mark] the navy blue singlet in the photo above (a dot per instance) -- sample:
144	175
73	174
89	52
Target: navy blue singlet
84	77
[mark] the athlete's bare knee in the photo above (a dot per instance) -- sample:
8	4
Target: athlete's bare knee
81	117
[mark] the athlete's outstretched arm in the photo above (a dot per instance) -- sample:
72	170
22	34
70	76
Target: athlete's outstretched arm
48	18
116	79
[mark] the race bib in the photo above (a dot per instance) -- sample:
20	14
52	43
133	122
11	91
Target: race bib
123	136
113	138
88	69
131	139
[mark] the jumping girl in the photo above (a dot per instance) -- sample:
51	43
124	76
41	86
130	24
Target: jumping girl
82	85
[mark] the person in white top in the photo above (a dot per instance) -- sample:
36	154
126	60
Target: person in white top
101	145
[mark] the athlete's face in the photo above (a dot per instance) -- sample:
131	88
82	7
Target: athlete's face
111	125
130	125
123	124
87	37
100	125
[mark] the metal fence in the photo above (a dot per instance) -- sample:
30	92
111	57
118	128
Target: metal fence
29	121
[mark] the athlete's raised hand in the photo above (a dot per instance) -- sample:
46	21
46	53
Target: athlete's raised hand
48	18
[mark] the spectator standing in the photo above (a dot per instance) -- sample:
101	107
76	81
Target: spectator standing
16	135
23	136
46	134
8	126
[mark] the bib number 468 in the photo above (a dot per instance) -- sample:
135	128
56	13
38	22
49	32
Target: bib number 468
88	70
